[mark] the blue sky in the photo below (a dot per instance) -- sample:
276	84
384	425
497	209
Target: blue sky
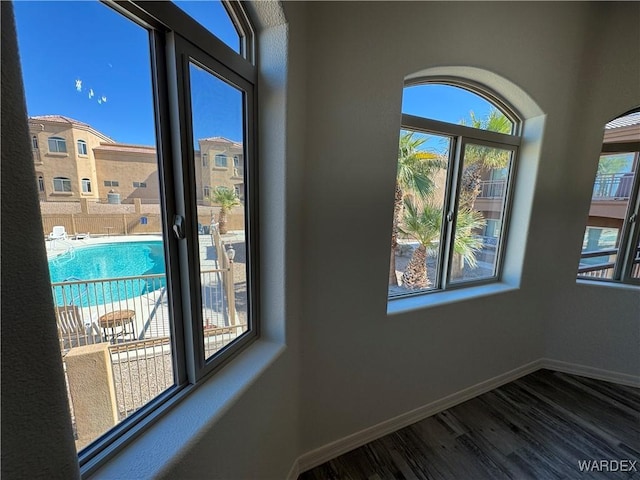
106	81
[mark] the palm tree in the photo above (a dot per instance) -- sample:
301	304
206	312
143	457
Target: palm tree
478	158
424	224
227	199
415	170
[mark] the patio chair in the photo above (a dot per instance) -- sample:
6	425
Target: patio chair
58	233
73	330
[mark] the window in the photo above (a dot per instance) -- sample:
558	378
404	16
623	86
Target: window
206	191
61	185
455	171
57	145
205	160
82	147
40	184
611	244
192	311
34	142
221	161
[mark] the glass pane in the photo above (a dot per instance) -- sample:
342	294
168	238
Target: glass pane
635	268
418	212
104	242
217	110
480	214
609	207
454	105
214	17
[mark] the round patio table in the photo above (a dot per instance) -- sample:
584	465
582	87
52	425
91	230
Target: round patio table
115	319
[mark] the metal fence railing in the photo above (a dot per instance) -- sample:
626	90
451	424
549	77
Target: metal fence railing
492	189
612	185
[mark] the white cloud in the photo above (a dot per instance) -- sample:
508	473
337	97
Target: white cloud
91	93
104	99
79	85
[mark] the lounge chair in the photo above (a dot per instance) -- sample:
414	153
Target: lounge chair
73	330
58	233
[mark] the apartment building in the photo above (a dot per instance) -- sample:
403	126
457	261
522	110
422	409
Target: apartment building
73	160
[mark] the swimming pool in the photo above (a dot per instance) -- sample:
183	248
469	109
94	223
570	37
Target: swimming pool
108	260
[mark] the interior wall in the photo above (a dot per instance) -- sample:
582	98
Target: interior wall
360	366
37	440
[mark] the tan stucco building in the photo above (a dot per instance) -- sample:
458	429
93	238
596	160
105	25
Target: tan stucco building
73	161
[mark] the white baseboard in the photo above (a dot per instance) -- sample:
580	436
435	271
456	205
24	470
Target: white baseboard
334	449
591	372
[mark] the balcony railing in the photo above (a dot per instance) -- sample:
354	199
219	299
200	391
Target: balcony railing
492	189
612	186
604	267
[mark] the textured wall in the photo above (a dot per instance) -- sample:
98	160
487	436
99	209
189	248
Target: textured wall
37	441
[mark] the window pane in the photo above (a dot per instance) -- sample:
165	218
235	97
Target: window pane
214	17
480	214
635	269
418	212
609	208
108	281
217	110
454	105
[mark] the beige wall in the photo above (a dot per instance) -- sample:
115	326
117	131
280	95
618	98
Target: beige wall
126	165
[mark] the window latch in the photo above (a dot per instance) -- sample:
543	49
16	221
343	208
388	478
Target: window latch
178	226
633	218
450	217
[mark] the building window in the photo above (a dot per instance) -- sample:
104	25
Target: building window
221	161
611	242
204	311
206	191
40	184
86	185
455	171
61	185
205	160
57	145
82	147
34	142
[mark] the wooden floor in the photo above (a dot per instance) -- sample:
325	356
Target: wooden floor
538	427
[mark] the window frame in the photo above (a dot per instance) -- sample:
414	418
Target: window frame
629	235
64	181
218	157
460	136
34	142
86	185
82	147
168	28
41	183
57	142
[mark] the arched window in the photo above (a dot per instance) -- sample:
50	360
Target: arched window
40	184
456	161
57	145
61	185
34	142
611	244
82	147
86	185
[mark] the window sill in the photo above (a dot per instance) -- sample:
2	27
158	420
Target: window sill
219	168
435	299
56	154
156	448
610	284
62	194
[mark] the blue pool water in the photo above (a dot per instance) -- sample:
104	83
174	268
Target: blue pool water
112	260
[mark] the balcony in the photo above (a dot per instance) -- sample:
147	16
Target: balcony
612	186
601	264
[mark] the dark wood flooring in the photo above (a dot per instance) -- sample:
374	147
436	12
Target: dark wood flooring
537	427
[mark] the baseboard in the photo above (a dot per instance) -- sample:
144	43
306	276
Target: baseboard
339	447
591	372
334	449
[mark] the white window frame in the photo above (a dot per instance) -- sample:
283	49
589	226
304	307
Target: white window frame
86	185
34	142
221	161
461	135
82	147
111	183
205	160
64	183
40	184
59	145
